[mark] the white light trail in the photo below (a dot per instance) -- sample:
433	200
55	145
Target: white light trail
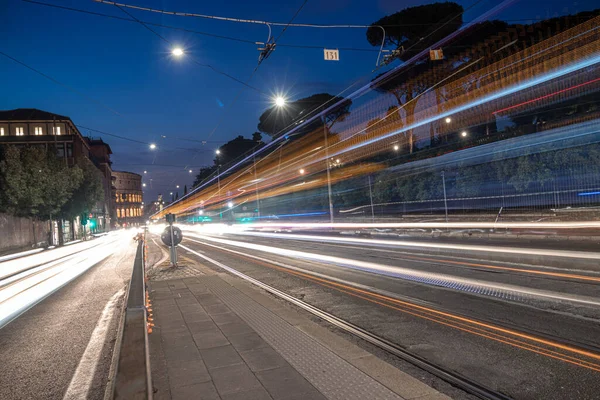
401	243
27	287
429	278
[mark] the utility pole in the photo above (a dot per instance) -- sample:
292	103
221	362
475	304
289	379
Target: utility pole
328	174
445	200
256	186
371	196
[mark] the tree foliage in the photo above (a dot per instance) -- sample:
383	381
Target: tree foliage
236	148
87	194
35	183
203	174
277	120
416	28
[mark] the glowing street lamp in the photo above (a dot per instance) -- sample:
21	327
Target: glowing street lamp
177	52
143	185
177	186
301	171
448	120
396	147
152	146
463	134
280	101
145	172
217	152
190	171
230	204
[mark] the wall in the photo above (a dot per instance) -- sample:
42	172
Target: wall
18	233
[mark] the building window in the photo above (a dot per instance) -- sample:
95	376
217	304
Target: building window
60	150
56	130
118	213
38	131
1	131
19	131
69	149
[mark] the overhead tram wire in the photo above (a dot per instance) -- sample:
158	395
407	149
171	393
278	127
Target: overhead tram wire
251	75
191	58
56	81
268	24
361	90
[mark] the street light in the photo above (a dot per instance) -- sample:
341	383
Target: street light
177	186
200	212
217	152
463	134
143	185
177	52
301	171
190	171
171	193
230	204
448	120
152	146
396	147
280	101
145	172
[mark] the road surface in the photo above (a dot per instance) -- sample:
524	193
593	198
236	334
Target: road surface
59	318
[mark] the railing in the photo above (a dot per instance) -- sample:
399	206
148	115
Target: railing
132	379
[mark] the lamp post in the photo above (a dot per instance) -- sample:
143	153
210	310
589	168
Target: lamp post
328	174
445	200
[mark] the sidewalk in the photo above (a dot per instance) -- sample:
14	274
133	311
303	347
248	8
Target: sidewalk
218	337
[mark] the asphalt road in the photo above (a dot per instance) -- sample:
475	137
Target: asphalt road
520	321
62	346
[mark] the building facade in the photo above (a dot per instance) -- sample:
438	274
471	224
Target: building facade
128	197
104	212
41	128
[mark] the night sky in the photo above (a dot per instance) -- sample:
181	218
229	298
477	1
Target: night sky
123	67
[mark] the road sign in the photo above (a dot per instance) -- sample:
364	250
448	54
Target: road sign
166	236
331	54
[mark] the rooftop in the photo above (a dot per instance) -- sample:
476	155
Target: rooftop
30	114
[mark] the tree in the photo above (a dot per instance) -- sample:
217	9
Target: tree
410	31
276	120
203	174
87	194
234	149
35	183
417	28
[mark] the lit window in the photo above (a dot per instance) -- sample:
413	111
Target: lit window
1	131
56	130
20	131
38	131
118	213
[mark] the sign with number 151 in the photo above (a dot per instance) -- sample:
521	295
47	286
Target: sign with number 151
332	55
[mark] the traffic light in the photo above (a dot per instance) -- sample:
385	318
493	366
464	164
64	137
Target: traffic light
84	219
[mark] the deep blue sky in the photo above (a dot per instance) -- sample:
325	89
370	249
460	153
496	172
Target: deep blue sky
128	69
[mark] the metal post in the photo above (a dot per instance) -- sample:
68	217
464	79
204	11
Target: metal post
328	176
219	188
371	196
256	186
445	200
173	250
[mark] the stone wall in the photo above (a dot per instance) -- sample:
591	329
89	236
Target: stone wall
21	233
